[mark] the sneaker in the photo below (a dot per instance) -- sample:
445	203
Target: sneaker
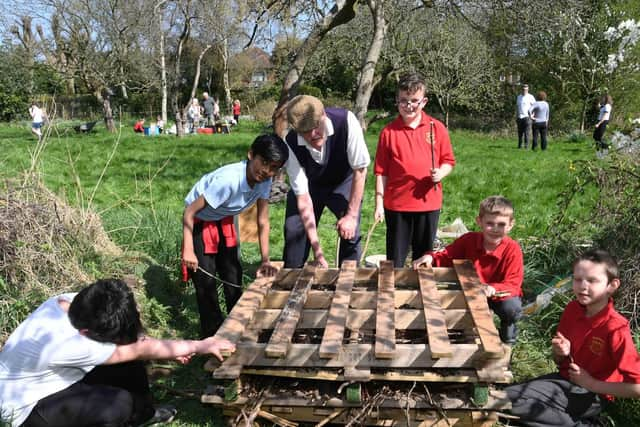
164	414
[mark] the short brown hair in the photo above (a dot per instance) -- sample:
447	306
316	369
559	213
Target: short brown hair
600	256
496	205
542	95
411	83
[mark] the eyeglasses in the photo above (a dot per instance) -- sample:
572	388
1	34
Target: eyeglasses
410	102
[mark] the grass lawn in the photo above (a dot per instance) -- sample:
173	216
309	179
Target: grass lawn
137	184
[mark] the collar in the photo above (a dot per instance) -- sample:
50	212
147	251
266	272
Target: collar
244	184
600	317
425	120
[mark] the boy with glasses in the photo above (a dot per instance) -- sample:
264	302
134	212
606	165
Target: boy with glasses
414	155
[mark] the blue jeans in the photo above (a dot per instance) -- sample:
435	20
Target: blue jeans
509	311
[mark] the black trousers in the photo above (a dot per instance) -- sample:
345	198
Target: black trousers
598	133
551	400
539	128
524	124
296	243
108	396
417	229
227	264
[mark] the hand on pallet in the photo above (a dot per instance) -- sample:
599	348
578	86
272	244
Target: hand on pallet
216	346
424	260
266	269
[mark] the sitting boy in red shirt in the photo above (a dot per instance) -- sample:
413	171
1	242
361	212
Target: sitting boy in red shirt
593	349
497	258
138	127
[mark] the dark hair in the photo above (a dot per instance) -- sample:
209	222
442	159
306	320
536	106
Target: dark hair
271	148
606	99
542	95
107	310
411	83
600	256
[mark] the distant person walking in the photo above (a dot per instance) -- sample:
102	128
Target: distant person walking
37	118
208	106
523	104
540	117
236	111
603	118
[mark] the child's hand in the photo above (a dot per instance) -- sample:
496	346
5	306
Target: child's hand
560	346
190	260
378	214
580	376
266	270
436	175
426	260
489	291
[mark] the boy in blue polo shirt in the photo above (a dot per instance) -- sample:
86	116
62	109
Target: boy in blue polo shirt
209	235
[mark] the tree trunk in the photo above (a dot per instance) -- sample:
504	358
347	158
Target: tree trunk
163	63
179	124
224	55
366	81
342	13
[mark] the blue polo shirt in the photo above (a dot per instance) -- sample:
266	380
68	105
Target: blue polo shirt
227	192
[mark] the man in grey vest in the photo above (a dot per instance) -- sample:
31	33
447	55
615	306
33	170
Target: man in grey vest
327	167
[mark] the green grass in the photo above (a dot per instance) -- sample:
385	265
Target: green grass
137	184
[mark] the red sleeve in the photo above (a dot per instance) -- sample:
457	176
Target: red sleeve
510	273
456	250
625	354
382	154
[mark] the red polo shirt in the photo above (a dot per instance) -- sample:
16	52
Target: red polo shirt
600	344
404	157
502	268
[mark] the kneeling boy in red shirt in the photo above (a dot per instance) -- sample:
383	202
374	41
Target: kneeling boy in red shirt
497	259
594	351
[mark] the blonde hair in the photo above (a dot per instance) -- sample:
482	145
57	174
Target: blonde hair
496	205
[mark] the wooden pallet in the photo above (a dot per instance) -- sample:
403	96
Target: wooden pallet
365	325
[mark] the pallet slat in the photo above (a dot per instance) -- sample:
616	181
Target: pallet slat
337	319
283	332
478	306
436	324
385	346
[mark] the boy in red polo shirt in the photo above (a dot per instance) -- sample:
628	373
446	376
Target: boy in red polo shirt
497	258
414	155
593	349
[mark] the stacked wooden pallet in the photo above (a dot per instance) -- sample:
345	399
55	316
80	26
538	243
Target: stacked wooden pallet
380	346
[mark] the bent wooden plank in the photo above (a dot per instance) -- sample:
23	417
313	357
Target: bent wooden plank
286	325
435	320
479	307
337	319
234	325
385	346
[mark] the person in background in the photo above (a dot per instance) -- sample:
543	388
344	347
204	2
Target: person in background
236	111
524	101
138	127
37	119
593	348
327	167
414	155
540	117
208	107
497	259
77	361
193	115
209	244
160	124
604	115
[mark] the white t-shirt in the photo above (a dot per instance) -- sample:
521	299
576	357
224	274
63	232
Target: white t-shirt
524	103
357	154
605	112
36	114
45	354
227	192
